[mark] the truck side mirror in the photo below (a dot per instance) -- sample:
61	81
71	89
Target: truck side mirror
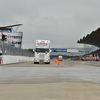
50	51
33	50
0	52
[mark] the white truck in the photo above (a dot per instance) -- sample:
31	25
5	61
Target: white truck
42	52
60	58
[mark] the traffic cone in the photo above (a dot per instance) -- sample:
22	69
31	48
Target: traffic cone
55	61
80	59
58	62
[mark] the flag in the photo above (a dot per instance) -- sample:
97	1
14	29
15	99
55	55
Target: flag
1	33
10	39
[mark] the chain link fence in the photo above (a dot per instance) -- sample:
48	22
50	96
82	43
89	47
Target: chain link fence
7	49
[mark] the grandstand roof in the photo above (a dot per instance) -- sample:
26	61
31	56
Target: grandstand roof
93	38
10	25
96	52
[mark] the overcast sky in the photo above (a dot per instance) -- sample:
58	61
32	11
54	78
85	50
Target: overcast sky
63	22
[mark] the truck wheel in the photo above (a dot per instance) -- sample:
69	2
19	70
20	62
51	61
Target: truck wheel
47	63
34	62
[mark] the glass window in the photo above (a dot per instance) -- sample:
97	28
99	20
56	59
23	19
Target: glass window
42	50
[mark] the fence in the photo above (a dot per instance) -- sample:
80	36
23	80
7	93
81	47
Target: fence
7	49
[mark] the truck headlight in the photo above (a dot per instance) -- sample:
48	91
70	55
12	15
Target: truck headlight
47	59
35	59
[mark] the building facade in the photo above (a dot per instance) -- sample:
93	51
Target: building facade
16	38
12	34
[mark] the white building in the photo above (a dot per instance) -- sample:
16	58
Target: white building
16	38
13	34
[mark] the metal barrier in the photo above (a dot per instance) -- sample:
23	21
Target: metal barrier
7	49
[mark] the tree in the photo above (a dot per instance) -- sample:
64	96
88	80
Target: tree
31	50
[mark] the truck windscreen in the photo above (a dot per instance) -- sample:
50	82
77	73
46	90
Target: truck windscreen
39	50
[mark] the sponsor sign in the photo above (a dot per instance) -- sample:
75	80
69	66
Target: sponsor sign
58	50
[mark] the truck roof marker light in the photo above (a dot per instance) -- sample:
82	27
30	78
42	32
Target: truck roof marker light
37	42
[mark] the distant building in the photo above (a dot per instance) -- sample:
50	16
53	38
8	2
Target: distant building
13	34
16	38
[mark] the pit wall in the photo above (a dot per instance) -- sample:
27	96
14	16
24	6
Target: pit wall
7	59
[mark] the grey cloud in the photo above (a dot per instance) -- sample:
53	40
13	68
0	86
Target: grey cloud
61	21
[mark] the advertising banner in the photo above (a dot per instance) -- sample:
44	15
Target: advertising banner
58	50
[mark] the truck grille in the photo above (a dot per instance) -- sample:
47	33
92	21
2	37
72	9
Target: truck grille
41	56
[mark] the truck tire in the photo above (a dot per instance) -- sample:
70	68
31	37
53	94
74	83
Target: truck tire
34	62
47	63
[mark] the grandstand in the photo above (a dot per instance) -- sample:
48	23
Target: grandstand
92	39
96	52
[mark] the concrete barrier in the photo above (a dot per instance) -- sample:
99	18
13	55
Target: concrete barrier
8	59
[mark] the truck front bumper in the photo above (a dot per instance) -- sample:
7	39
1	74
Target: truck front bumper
42	60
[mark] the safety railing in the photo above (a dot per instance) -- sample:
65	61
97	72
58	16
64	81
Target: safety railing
7	49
